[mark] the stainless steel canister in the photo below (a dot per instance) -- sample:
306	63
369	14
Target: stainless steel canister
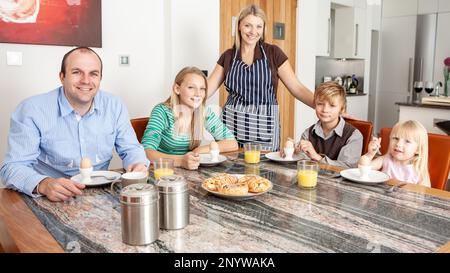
139	204
173	202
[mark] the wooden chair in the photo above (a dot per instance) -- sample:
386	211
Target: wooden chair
366	129
139	125
438	156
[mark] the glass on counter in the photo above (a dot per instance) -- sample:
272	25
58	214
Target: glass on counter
163	167
307	172
252	153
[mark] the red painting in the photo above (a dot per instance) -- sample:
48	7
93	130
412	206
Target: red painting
51	22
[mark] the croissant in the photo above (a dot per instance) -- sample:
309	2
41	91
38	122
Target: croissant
229	184
257	183
213	183
234	189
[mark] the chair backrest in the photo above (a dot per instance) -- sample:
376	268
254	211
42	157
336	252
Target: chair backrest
139	125
438	156
366	129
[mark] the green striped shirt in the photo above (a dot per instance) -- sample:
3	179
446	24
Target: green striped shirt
160	133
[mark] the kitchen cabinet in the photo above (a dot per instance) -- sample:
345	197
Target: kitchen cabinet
350	33
360	4
425	115
394	8
355	106
323	26
442	46
348	3
444	6
396	67
428	6
374	17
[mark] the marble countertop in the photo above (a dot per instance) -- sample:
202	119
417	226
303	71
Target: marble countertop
423	105
360	93
338	216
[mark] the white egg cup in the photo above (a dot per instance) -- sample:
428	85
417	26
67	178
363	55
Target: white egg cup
86	175
214	155
364	171
289	152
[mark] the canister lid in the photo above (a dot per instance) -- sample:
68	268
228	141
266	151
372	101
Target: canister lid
172	184
139	194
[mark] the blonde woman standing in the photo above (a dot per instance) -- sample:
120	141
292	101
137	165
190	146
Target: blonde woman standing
250	72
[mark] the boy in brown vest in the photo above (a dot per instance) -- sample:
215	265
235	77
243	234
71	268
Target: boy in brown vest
331	140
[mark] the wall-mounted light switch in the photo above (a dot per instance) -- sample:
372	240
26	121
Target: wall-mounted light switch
278	31
124	60
13	58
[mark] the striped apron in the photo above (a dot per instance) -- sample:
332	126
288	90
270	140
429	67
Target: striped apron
251	110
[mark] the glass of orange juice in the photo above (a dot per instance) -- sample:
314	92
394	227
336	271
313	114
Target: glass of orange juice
252	152
163	167
307	172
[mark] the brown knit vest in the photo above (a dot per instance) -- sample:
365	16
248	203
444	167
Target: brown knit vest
332	146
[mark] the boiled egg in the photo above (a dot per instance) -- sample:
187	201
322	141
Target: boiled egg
85	163
364	160
214	146
289	144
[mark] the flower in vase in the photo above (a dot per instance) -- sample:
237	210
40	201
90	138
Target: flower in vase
446	76
447	61
446	67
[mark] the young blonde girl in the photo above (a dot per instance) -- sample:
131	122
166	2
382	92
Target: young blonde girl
407	156
175	127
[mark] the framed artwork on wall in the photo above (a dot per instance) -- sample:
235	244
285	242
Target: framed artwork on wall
51	22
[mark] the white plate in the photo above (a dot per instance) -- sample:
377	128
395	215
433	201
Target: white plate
98	181
275	156
375	177
205	160
238	197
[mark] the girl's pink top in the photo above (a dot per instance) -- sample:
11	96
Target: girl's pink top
399	171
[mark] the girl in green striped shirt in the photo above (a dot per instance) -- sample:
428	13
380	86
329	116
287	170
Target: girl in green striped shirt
175	128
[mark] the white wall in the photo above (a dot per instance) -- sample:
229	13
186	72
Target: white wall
160	36
306	61
195	39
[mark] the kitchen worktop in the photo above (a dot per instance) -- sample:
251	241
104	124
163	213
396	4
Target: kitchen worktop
422	105
338	216
357	94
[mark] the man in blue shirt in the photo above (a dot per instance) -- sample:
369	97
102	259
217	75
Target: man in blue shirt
50	133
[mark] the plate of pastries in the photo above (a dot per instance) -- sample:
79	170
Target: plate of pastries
237	186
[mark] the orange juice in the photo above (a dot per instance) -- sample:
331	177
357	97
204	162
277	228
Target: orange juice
162	172
251	156
307	178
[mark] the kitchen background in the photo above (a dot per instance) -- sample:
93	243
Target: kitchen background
376	38
334	68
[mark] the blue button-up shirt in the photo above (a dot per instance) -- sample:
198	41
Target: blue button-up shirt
47	138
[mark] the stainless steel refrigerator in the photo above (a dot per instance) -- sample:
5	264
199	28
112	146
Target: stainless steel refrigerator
407	52
424	52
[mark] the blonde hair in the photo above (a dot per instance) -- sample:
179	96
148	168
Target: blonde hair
198	117
330	91
250	10
414	130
